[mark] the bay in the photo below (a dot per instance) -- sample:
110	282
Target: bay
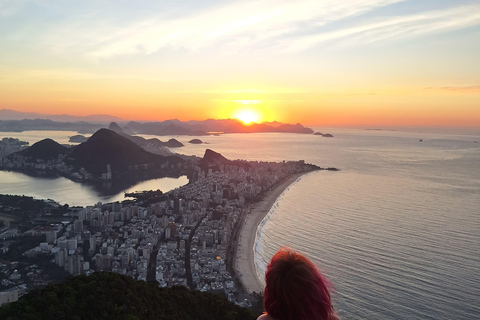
396	231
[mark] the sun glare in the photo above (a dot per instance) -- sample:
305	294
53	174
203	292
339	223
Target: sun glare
248	116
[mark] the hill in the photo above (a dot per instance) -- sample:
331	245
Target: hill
46	149
15	121
106	147
105	295
153	142
174	127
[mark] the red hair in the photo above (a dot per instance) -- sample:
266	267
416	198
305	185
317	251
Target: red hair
295	290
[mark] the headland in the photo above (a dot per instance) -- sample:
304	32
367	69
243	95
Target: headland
245	262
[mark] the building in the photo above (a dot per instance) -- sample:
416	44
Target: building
7	296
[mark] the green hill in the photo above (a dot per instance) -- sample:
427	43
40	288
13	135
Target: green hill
105	295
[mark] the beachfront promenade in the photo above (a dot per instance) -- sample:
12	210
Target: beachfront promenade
244	262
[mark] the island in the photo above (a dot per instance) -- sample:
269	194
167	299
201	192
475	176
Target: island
325	135
78	138
195	141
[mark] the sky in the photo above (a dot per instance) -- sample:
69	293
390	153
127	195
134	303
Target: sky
322	62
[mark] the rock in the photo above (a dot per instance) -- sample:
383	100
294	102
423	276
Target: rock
195	141
78	138
325	135
173	143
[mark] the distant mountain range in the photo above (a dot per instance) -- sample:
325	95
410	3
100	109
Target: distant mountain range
17	121
7	114
205	127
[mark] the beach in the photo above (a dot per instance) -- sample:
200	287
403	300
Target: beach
244	262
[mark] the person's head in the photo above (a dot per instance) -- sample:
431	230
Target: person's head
295	289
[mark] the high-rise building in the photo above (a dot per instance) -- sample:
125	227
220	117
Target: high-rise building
51	236
78	225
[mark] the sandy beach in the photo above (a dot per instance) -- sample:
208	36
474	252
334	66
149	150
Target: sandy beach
244	262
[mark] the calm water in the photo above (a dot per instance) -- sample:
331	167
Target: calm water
397	230
64	191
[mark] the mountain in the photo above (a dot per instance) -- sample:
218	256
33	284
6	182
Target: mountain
7	114
153	142
46	124
214	161
169	127
106	147
106	295
18	121
115	127
211	156
46	149
297	128
197	128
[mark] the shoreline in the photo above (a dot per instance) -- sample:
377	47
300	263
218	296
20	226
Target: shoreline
244	260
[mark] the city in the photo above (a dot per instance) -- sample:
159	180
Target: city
186	239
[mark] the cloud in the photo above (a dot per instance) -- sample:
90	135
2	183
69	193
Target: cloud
460	89
236	26
392	29
246	26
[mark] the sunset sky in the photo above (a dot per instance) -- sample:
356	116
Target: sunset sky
322	62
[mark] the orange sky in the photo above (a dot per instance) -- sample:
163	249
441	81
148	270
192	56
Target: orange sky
376	62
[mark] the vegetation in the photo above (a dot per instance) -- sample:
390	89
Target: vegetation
105	295
23	211
20	207
147	197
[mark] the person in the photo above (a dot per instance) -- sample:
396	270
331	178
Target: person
295	289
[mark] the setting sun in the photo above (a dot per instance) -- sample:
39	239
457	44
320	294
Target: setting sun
248	116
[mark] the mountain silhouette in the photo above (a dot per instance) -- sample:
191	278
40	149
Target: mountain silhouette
106	147
46	149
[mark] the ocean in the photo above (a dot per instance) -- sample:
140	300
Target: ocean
396	230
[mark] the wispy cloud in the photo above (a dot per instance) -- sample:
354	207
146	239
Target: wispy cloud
246	26
239	25
460	89
392	29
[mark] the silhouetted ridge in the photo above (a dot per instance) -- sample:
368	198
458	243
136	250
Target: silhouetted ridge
105	295
46	149
212	156
108	147
172	143
115	127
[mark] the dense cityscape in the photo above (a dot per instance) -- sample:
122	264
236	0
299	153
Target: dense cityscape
186	237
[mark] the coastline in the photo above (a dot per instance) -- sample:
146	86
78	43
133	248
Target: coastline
244	260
